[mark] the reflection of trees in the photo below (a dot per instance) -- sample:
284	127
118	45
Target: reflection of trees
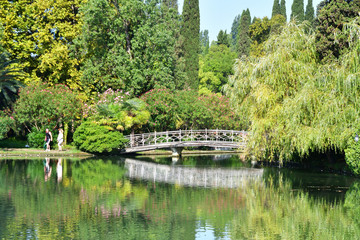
277	212
352	202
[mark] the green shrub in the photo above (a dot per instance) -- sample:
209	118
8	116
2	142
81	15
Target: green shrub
36	139
93	138
12	143
352	156
6	123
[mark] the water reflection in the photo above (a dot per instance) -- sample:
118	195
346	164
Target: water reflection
193	177
47	169
97	199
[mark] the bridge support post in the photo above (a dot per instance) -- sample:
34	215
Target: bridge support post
176	151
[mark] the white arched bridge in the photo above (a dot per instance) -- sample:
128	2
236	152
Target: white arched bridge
177	140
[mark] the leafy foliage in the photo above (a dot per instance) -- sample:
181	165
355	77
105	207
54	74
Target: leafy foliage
9	86
352	156
215	68
331	40
93	138
190	31
7	122
287	97
116	111
187	110
43	106
40	39
36	138
130	45
260	31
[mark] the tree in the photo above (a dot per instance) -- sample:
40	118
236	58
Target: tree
276	8
287	96
190	32
204	42
234	32
128	45
9	86
283	8
309	13
40	39
331	40
244	40
222	38
260	31
297	10
43	106
216	68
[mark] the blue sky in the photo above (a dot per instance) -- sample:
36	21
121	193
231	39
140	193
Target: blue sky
216	15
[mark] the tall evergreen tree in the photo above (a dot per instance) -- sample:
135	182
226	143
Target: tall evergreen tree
244	40
222	38
276	8
204	42
297	10
190	32
234	32
309	13
283	8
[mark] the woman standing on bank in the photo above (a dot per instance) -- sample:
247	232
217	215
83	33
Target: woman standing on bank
60	138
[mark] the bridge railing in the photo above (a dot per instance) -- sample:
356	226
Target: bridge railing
206	135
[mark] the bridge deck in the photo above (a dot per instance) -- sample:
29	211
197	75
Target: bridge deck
186	138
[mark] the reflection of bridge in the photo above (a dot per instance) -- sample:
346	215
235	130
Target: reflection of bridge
176	140
193	177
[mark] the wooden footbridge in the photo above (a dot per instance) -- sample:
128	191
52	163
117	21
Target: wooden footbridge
177	140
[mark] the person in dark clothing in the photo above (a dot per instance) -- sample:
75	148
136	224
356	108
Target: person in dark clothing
48	139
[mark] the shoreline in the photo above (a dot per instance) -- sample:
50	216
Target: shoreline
36	153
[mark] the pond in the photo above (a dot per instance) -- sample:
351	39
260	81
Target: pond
198	197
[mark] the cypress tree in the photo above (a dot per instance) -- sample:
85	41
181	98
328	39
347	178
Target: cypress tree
222	38
234	32
283	8
244	40
276	8
190	32
297	10
309	13
204	42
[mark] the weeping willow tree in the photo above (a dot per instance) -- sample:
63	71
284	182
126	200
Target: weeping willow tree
293	104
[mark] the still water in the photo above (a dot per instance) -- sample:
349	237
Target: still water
211	197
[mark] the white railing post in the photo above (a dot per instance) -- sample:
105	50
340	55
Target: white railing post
155	137
167	136
205	134
143	139
232	135
216	133
180	135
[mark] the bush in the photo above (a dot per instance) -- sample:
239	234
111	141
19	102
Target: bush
36	139
6	123
352	156
93	138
